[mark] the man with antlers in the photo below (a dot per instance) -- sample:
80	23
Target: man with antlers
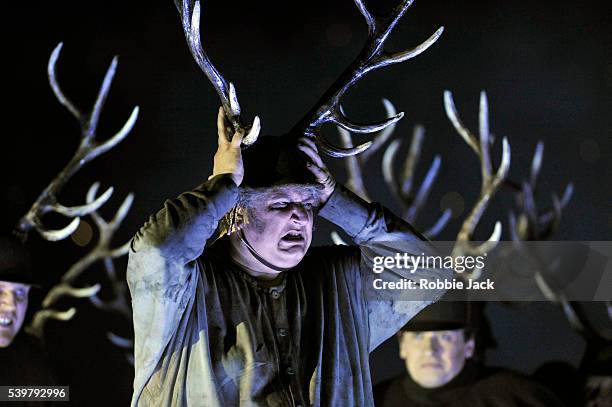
256	317
231	306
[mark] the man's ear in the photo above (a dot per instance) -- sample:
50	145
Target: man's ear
469	348
401	338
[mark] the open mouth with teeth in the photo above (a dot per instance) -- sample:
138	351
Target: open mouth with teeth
6	321
293	236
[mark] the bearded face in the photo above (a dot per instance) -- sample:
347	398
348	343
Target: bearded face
13	308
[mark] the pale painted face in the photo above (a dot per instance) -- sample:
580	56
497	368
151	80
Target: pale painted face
434	358
13	307
281	231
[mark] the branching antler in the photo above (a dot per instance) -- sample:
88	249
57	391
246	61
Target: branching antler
88	149
100	252
117	303
490	181
354	164
411	205
40	318
190	18
372	56
402	188
533	224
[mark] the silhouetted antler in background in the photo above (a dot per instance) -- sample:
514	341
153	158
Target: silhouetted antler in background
88	149
533	224
412	203
490	181
402	187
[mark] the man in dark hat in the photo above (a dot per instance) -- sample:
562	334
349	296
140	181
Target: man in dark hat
232	307
22	357
15	283
439	347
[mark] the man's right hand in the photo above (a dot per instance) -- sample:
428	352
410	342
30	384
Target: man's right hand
228	158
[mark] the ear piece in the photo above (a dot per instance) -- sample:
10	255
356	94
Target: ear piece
238	219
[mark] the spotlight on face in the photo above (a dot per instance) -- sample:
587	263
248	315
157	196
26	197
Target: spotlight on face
13	308
280	229
434	358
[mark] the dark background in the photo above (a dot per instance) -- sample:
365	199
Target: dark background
546	67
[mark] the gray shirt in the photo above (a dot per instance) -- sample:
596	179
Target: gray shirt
208	334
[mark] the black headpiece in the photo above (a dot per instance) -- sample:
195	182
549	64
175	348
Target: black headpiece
15	263
275	161
445	315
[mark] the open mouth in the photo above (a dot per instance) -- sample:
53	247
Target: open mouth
293	236
6	322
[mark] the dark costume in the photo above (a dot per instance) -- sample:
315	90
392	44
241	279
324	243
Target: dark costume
24	363
208	334
474	387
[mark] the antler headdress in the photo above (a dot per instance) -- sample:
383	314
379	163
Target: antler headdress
328	109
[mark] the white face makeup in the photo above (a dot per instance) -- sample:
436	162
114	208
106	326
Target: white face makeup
434	358
281	231
13	307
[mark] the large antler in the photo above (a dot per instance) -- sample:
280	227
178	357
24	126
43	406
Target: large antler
354	164
372	56
190	18
490	181
88	149
100	252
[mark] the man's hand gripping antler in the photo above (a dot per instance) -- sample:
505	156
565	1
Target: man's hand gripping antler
228	158
316	165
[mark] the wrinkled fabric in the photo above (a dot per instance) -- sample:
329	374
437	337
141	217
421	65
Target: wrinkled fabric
208	334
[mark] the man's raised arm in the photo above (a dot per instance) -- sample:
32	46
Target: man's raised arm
162	270
380	233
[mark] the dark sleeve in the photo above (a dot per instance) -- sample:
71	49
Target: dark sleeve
162	273
378	232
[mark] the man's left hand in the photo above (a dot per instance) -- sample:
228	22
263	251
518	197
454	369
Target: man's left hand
316	165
